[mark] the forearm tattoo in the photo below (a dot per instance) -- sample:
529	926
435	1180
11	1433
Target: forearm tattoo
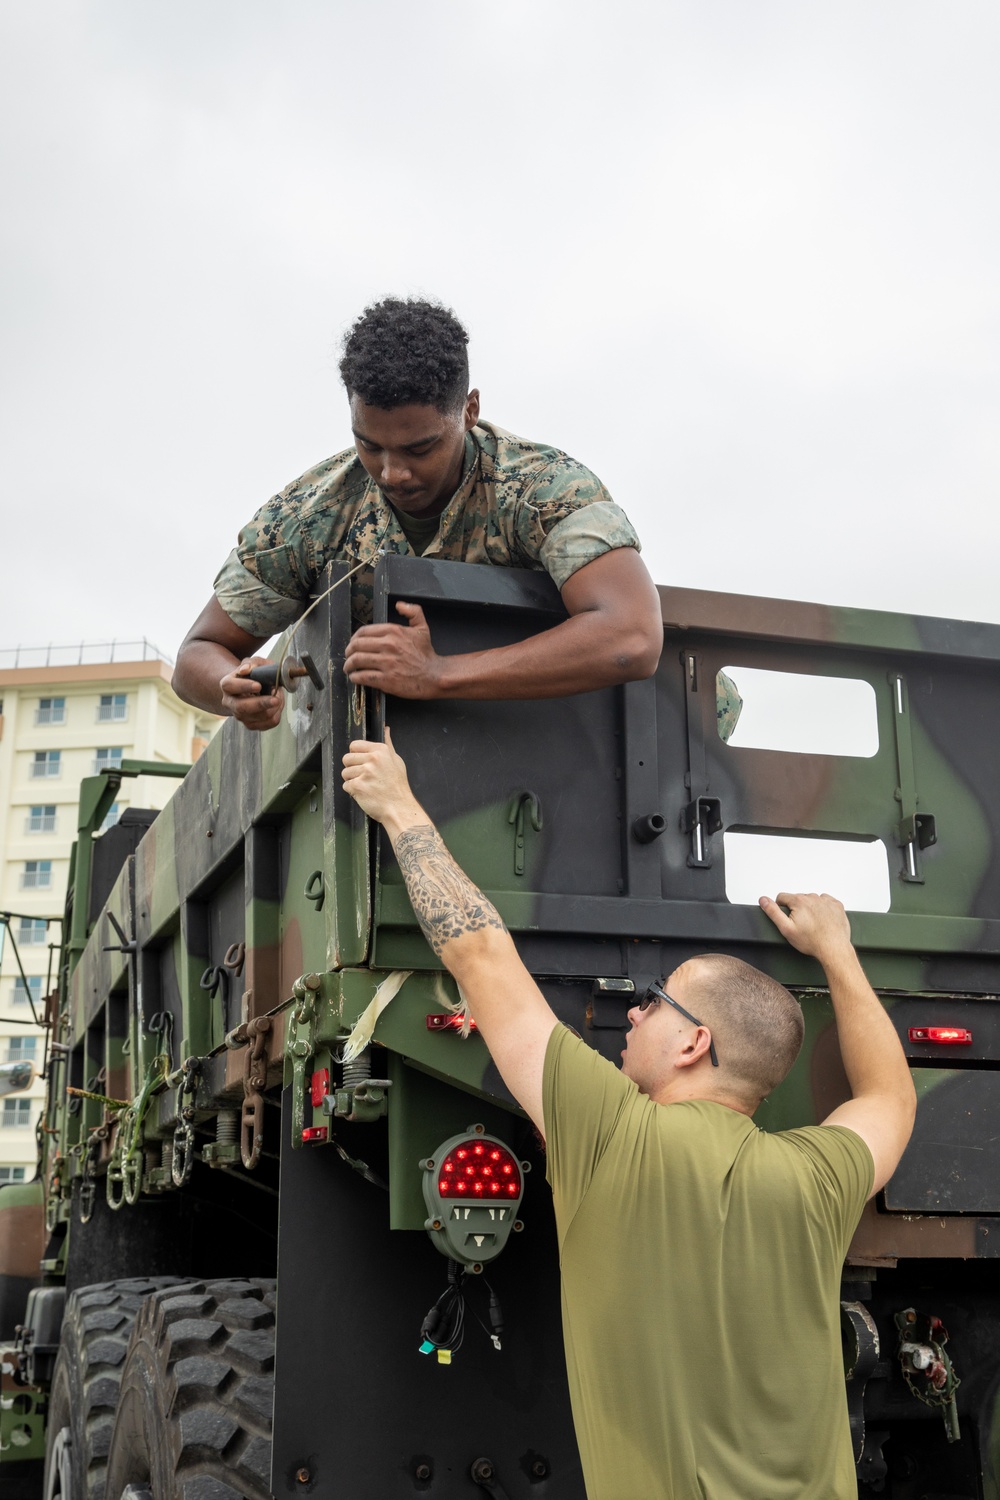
445	901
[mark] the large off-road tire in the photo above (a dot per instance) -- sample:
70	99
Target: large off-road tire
194	1414
95	1334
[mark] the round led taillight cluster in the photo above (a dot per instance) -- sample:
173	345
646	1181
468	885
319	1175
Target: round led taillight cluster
472	1187
479	1170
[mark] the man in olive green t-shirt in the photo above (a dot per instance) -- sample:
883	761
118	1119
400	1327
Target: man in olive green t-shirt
700	1256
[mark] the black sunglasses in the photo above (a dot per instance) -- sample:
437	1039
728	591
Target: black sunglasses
654	995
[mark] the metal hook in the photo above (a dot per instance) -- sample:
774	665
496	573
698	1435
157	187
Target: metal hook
515	815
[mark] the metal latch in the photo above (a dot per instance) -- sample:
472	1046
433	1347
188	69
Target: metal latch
927	1368
703	814
915	830
516	815
362	1102
610	998
700	819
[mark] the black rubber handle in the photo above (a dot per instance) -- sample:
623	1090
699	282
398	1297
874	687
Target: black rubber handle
266	675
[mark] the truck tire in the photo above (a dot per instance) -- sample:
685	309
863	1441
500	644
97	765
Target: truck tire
93	1343
194	1414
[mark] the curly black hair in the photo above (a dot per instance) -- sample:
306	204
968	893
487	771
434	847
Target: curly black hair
400	352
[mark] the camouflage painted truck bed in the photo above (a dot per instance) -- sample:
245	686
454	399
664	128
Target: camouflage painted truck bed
245	939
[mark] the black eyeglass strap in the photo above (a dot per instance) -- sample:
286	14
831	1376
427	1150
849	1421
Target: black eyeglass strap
688	1017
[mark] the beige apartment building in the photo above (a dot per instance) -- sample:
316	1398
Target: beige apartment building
64	714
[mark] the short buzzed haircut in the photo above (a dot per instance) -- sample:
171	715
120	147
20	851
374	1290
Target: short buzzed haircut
756	1023
407	351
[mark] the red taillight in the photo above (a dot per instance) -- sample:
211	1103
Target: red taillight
315	1133
481	1170
948	1036
320	1087
438	1021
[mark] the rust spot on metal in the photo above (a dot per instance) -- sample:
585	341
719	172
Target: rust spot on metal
882	1239
22	1239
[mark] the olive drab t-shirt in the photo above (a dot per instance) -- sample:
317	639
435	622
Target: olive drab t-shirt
701	1262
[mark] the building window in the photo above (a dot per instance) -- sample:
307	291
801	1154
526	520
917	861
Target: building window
21	992
112	706
51	711
46	763
107	759
16	1114
42	819
12	1174
21	1049
32	931
110	818
36	875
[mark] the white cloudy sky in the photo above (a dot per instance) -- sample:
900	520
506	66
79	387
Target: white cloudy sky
739	256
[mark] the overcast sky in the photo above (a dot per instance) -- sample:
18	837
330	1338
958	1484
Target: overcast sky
741	257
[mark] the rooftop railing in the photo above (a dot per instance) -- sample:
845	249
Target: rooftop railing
87	653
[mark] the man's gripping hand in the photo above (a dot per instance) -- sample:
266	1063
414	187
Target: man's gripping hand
375	776
399	659
246	700
815	925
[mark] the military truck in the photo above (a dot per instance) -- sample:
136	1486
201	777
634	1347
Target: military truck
263	1096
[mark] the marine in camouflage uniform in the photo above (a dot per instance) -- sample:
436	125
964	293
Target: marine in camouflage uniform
519	505
428	477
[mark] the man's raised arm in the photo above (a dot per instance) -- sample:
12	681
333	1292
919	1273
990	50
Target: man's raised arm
883	1102
463	928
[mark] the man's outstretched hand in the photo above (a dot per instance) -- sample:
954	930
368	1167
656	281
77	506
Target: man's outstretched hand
399	659
816	925
375	776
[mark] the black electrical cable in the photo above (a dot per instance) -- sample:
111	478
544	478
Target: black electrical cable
444	1326
495	1315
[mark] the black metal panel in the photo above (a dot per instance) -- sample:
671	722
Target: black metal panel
261	873
226	919
160	992
430	580
959	707
479	758
110	852
952	1164
532	795
335	1251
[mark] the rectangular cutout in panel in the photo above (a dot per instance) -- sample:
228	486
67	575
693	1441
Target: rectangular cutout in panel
762	864
801	713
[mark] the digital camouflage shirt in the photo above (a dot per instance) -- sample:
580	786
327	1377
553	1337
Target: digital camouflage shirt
519	505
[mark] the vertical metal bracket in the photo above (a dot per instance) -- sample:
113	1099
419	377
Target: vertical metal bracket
300	1045
915	830
859	1336
643	821
702	816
